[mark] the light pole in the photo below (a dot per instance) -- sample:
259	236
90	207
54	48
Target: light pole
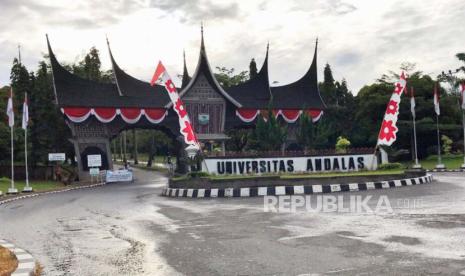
453	81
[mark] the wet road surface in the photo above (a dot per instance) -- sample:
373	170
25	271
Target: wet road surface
129	229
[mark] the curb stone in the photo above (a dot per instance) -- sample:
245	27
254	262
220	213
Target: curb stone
446	170
294	190
26	262
50	192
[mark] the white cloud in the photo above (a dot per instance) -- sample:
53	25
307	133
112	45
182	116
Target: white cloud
360	39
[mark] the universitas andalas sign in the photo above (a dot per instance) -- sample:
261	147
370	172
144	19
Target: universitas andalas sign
334	163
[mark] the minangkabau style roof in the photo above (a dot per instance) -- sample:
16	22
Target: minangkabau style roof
254	93
127	91
303	93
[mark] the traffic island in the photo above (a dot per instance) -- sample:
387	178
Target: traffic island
251	186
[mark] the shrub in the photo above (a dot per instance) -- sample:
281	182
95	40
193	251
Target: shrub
198	174
446	144
390	166
342	144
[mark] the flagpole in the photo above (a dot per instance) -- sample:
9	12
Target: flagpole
12	189
27	188
463	123
415	142
439	143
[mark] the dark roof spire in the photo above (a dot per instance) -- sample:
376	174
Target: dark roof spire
114	67
203	68
185	74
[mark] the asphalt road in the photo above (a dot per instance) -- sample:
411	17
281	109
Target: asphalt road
129	229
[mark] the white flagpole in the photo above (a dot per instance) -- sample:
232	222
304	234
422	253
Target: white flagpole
415	142
439	142
26	123
12	190
463	123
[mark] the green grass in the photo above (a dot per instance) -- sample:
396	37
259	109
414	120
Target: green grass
37	186
297	176
336	174
451	161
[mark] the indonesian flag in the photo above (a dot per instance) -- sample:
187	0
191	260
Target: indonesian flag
25	112
436	100
185	125
462	98
412	102
387	134
9	110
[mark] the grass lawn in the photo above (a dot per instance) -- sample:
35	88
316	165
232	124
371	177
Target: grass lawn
37	186
8	261
306	175
451	161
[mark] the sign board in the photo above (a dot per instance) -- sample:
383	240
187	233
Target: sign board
94	160
118	176
204	119
56	157
304	164
94	171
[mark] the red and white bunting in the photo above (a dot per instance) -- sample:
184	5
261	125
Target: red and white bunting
388	132
108	114
185	126
248	115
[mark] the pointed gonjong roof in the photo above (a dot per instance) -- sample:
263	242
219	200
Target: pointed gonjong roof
72	90
203	68
154	96
254	93
185	75
303	93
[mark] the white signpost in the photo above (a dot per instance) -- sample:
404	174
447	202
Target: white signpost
94	160
56	157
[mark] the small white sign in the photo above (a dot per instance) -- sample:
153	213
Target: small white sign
94	171
118	176
94	160
56	157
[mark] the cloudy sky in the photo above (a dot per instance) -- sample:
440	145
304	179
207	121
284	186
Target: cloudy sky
360	39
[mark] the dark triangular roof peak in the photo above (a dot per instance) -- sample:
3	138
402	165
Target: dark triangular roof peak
254	93
185	74
203	68
132	87
304	93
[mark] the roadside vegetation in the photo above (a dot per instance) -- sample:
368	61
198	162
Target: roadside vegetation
8	262
38	186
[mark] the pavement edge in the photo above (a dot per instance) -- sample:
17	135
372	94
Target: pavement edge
26	263
294	190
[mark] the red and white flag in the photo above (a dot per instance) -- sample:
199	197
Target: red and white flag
462	93
9	110
185	125
25	112
388	132
436	100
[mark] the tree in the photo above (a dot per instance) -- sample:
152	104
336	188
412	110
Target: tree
227	77
89	67
268	134
342	144
305	132
252	69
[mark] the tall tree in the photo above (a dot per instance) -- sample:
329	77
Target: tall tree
228	77
252	69
89	66
305	132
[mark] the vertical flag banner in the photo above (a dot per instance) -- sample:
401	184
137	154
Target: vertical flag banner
462	93
9	110
412	102
388	132
25	121
184	123
436	100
